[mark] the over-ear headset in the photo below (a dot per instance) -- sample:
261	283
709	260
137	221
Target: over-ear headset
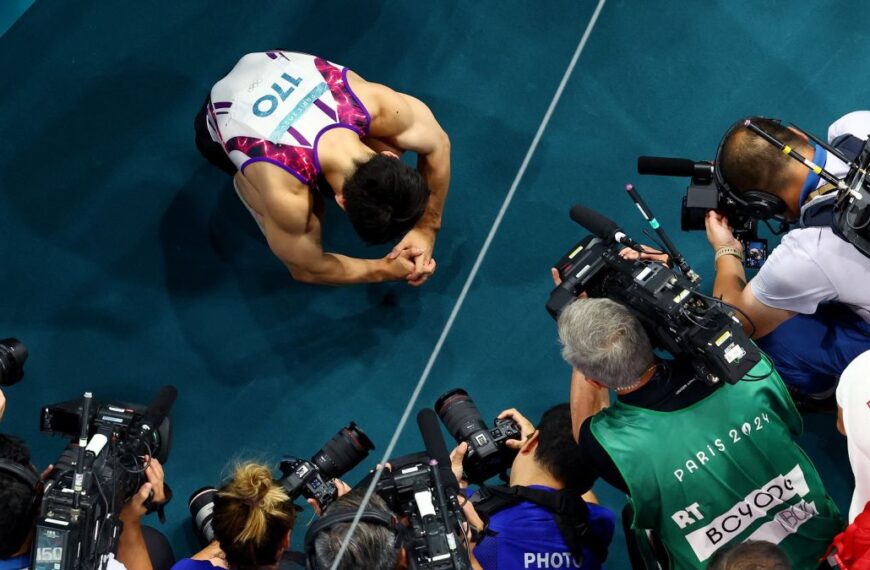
31	478
328	521
755	203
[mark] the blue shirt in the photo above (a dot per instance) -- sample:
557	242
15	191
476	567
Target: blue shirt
190	564
528	537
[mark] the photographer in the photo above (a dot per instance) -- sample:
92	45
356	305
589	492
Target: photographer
139	548
526	520
704	466
374	545
253	518
808	301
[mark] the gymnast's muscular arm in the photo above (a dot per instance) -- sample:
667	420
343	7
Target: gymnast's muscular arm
406	123
294	235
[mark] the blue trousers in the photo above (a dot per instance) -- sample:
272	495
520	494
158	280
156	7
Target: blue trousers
811	351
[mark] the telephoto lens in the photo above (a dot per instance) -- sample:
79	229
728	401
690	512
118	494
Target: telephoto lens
201	505
13	355
488	454
343	452
459	414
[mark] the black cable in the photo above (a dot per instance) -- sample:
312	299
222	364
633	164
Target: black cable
734	307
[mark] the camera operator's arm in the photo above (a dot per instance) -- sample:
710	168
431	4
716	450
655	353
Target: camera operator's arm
456	457
586	400
2	404
731	285
132	551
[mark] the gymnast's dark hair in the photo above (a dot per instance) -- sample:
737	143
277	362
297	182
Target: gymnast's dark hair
384	199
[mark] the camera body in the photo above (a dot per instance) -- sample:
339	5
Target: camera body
84	493
487	455
313	479
703	195
677	318
302	477
412	490
13	355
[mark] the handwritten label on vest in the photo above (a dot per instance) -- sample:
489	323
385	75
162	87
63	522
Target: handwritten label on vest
727	526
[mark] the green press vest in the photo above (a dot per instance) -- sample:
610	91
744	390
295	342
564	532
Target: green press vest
722	471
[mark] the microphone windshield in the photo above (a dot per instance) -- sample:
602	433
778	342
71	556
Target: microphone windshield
598	225
663	166
433	441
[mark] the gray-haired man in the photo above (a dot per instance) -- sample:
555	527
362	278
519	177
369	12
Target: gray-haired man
704	467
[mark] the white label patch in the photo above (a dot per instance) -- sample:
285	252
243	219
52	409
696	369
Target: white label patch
724	528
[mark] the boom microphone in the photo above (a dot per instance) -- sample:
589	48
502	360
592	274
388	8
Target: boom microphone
430	430
602	226
159	407
664	166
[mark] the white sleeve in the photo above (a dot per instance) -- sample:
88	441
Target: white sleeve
855	123
790	279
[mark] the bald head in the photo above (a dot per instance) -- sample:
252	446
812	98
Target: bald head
749	162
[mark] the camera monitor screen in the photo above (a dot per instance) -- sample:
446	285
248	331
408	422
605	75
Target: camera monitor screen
755	253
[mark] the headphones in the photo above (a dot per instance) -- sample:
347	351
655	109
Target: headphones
756	203
29	477
328	521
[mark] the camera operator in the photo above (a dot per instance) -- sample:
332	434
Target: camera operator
377	545
374	545
704	466
253	518
809	301
521	531
139	548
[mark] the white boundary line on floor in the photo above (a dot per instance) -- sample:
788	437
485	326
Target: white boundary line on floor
471	276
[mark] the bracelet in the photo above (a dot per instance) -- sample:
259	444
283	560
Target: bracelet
728	250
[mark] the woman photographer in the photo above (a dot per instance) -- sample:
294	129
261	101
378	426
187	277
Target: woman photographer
253	517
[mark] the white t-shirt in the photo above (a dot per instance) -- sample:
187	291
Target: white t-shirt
812	265
853	395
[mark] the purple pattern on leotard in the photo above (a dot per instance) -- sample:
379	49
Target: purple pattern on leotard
301	161
298	160
350	110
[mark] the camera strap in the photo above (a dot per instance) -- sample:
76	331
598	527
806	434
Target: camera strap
567	506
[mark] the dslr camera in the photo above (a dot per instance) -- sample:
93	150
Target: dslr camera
488	455
13	355
309	478
78	521
313	478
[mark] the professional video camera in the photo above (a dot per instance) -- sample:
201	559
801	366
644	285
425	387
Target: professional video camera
423	491
78	519
677	317
702	195
847	211
487	454
311	479
13	355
